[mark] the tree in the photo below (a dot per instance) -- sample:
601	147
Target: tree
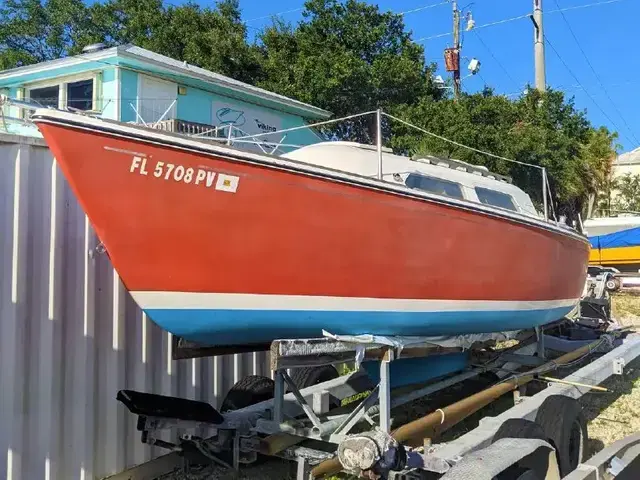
34	31
544	130
347	57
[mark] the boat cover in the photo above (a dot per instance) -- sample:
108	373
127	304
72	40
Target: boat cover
624	238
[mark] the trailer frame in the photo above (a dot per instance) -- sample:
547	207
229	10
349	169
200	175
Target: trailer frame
278	426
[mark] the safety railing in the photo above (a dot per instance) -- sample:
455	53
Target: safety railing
226	134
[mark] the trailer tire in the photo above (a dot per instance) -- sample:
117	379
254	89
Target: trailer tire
520	428
248	391
309	376
564	425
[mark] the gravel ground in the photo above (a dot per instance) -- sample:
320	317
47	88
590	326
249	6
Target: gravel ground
610	416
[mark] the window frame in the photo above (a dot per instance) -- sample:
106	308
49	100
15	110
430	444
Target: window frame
62	82
431	177
516	206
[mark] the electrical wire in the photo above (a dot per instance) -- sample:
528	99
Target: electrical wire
486	47
604	89
498	22
277	14
419	9
440	137
578	7
520	17
548	42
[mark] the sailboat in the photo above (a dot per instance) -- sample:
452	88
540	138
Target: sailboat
222	245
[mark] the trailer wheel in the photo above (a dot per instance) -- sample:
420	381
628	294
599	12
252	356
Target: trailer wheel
249	390
564	425
308	376
519	428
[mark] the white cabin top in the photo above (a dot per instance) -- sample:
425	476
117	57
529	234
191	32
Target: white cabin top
448	178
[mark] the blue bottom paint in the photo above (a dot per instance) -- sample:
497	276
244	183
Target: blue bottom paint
240	327
407	371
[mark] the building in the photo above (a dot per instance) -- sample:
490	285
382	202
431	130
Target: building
70	334
131	84
626	163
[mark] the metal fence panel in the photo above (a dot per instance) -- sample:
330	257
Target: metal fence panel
71	336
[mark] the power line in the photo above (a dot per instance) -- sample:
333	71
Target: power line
496	60
277	14
419	9
546	39
498	22
462	145
274	14
604	89
578	7
520	17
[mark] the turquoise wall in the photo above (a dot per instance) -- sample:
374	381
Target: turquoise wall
197	106
128	94
109	104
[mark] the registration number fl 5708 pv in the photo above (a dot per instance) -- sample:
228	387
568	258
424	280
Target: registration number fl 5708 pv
172	172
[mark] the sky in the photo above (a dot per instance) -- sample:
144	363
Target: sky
591	50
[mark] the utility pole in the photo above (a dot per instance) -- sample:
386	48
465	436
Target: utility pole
541	83
456	46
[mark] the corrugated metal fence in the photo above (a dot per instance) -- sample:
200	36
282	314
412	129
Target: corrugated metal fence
71	336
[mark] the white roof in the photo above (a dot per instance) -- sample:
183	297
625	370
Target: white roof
363	160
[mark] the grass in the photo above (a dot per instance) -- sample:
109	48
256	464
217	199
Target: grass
613	416
625	307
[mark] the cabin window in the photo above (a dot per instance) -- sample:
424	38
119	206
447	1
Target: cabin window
434	185
495	198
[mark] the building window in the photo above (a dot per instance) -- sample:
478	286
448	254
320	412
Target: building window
495	198
79	92
435	185
45	96
80	95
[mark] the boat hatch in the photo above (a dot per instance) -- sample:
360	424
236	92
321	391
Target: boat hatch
495	198
434	185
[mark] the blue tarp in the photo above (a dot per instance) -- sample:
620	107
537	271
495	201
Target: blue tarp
623	238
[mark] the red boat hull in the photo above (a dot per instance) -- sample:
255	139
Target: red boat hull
246	228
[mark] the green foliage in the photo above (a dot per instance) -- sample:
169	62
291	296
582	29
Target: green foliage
214	38
544	130
348	57
627	193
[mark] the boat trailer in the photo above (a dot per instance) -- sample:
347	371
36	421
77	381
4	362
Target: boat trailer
328	423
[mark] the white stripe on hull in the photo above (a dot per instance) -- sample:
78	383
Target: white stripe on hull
246	301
